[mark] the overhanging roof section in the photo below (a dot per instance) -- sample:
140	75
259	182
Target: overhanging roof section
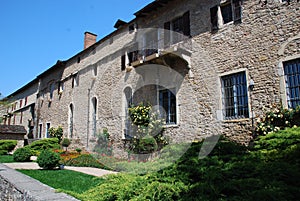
151	7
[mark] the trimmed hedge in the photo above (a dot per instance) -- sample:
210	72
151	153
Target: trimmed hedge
40	145
7	146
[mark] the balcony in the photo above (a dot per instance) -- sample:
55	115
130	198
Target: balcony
156	49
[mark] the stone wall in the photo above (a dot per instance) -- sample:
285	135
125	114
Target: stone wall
19	187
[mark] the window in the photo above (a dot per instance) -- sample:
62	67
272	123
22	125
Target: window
71	120
60	87
225	13
94	116
123	62
75	80
235	96
21	101
177	29
150	43
128	103
292	80
40	130
52	88
47	130
95	70
25	100
21	117
167	100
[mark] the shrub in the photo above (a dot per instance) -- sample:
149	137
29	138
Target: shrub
278	118
146	145
7	146
48	159
66	142
40	145
22	154
104	145
78	150
56	133
84	160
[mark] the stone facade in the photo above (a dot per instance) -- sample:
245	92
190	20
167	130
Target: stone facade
87	92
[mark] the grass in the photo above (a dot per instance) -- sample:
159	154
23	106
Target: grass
68	181
6	159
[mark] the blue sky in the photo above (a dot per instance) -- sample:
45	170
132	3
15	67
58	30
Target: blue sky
36	33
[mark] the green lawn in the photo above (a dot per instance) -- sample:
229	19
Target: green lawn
6	159
65	180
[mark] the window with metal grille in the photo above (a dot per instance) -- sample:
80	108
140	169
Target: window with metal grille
292	81
235	96
167	100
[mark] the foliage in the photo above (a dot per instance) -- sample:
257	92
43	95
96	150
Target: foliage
22	154
48	159
278	118
147	130
56	133
65	156
104	143
78	150
66	143
140	114
65	180
7	146
40	145
84	160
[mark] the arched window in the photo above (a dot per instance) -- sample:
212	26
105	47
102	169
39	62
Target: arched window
71	120
94	115
128	103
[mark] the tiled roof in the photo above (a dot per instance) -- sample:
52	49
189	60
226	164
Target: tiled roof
12	129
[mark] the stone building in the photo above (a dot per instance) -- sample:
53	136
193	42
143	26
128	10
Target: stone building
197	60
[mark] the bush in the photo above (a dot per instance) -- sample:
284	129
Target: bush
56	133
7	146
104	145
278	118
66	142
48	159
40	145
22	154
84	160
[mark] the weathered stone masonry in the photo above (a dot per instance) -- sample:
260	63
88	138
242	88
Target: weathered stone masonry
93	80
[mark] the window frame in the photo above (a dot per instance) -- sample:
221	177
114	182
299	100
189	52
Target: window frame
216	11
240	111
287	81
171	92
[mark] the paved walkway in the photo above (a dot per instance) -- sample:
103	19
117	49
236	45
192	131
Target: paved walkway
87	170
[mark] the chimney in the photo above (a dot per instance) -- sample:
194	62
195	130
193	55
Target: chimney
89	39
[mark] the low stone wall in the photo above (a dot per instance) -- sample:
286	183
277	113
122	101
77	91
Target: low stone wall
15	186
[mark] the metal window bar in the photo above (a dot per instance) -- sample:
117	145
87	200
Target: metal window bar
235	96
292	80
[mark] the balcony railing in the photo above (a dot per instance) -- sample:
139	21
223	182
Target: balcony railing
156	46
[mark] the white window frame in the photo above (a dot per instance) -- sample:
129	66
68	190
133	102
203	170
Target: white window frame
174	90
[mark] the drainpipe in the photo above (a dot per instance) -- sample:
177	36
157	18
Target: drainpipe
88	120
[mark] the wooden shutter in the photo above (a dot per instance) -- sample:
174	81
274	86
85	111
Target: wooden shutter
186	24
167	27
214	18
